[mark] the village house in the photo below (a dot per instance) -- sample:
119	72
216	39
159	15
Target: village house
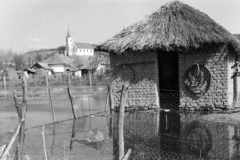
176	57
59	63
77	49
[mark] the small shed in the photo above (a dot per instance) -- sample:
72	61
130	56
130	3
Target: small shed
176	57
42	66
30	71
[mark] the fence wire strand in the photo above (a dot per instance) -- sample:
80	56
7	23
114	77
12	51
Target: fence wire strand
151	135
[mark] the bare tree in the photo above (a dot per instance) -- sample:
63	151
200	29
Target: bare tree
19	61
38	57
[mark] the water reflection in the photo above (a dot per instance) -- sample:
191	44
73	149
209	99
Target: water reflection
169	132
150	135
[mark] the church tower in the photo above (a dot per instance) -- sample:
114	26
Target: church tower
69	44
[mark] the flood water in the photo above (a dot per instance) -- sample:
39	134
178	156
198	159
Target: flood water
39	110
151	135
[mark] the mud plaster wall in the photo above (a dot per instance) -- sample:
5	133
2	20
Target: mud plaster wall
216	61
141	70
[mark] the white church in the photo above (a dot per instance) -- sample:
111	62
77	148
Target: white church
77	49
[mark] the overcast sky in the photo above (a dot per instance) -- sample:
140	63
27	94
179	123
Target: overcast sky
36	24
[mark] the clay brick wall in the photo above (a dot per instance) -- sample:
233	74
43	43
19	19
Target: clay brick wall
142	70
216	60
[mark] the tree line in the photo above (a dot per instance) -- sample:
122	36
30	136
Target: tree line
20	61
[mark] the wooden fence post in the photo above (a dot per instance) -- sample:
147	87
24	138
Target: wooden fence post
111	97
9	145
22	119
19	110
53	138
72	102
46	79
127	155
107	105
121	120
235	82
4	82
90	79
73	134
53	113
44	144
69	79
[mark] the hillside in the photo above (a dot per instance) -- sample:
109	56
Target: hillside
46	52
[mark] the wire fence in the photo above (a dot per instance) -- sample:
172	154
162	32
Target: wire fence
165	134
150	136
44	104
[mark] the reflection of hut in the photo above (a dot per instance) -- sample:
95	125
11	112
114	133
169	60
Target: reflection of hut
208	140
175	49
140	134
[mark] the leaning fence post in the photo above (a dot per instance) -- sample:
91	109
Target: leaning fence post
127	155
72	102
17	105
121	120
53	113
9	145
73	134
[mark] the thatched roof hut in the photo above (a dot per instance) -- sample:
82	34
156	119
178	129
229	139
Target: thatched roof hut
176	57
174	26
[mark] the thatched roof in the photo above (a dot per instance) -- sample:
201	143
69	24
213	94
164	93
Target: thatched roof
237	36
174	27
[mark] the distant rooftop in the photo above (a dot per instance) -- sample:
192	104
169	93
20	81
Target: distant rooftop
84	45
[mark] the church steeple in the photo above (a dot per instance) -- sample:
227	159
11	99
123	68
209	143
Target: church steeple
68	33
69	44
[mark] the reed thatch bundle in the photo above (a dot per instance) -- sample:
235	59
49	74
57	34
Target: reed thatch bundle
173	27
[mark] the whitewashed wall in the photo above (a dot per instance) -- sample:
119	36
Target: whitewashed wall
57	68
84	52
